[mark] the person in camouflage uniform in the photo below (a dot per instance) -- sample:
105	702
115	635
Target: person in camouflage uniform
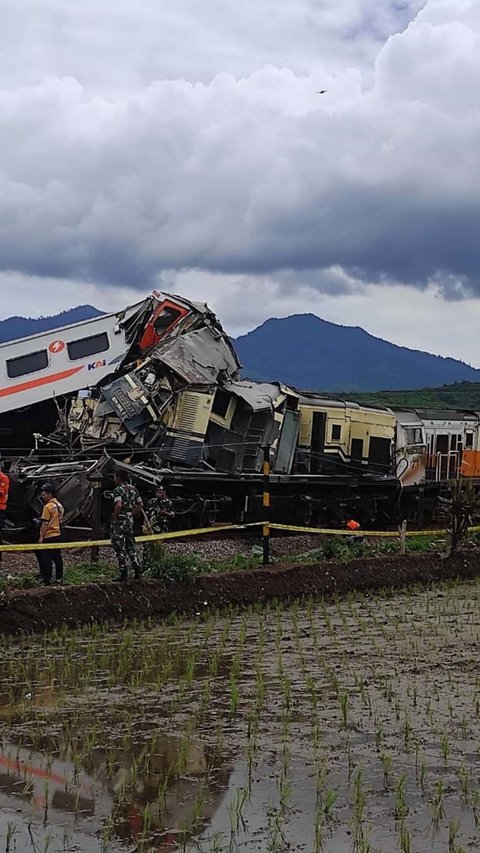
126	503
158	514
160	511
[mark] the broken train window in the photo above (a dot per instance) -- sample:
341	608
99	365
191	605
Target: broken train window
85	347
30	363
221	403
167	317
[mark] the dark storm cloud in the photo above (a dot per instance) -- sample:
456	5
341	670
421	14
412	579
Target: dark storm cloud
256	175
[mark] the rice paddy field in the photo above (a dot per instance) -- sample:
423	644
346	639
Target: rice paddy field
350	724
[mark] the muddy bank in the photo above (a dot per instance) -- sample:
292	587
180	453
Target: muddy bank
34	610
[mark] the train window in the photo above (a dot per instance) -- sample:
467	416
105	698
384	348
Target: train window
85	347
24	364
167	317
413	435
336	432
221	402
469	440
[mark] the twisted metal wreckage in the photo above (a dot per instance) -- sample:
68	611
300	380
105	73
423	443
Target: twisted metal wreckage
157	386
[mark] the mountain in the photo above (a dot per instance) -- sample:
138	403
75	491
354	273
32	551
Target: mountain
308	352
21	327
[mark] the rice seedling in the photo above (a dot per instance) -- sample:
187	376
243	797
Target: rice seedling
445	747
344	708
438	810
401	808
387	764
404	839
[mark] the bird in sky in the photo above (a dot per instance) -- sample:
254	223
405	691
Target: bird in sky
321	92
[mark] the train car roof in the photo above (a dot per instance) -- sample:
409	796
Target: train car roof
310	398
257	395
446	414
307	399
408	417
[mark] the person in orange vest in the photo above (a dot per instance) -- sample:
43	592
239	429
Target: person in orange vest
50	534
4	490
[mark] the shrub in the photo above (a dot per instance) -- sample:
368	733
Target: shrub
170	568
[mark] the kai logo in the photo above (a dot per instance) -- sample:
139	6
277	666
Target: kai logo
94	364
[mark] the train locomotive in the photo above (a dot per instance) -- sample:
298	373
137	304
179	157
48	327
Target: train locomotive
158	388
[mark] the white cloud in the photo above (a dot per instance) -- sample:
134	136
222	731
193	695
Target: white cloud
113	45
256	174
147	142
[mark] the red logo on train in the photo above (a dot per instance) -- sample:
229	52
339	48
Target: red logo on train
56	346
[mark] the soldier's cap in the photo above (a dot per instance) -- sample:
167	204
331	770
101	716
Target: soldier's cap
48	487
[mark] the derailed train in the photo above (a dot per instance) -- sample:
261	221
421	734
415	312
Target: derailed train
157	387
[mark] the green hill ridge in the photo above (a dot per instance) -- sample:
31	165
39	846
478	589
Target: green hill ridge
458	395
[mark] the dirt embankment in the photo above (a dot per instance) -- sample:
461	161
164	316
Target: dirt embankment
35	610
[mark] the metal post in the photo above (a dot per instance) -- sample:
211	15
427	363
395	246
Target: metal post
403	533
266	505
96	481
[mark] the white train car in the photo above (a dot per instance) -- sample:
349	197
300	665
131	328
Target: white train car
81	355
436	446
63	360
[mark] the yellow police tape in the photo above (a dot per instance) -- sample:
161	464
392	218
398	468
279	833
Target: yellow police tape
181	534
382	533
152	537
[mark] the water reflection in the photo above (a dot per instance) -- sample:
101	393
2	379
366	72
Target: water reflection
113	792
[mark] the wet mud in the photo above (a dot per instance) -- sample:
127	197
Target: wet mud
36	610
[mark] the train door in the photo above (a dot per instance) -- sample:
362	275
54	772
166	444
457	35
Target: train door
455	455
319	425
356	451
441	457
448	456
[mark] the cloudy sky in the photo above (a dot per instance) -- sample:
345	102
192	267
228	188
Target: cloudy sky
184	145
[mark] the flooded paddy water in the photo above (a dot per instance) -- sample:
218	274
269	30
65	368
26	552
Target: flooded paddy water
351	724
